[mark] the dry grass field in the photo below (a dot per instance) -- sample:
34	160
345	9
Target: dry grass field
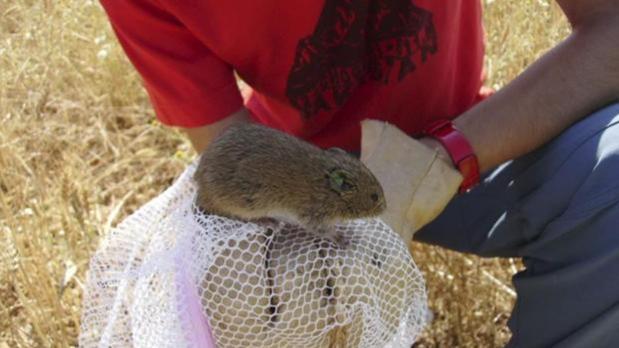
80	149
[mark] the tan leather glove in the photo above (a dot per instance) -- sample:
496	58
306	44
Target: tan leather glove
417	183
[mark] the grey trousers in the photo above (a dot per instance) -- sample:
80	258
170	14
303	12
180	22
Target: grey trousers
558	209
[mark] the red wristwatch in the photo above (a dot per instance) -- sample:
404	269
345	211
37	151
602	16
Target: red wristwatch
459	150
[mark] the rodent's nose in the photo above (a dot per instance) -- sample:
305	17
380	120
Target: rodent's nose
374	197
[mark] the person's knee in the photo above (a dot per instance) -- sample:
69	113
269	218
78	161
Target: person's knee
584	225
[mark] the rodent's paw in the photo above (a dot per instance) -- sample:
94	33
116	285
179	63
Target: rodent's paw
267	221
330	233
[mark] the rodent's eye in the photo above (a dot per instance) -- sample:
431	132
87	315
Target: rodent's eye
346	186
338	180
374	197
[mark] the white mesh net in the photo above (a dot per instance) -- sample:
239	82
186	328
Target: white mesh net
164	270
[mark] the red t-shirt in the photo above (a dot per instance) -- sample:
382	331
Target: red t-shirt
316	68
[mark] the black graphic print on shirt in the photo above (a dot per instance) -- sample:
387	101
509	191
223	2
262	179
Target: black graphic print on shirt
355	41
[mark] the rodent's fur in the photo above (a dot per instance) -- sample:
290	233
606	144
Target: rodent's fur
252	171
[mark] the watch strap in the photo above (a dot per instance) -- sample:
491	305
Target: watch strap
459	149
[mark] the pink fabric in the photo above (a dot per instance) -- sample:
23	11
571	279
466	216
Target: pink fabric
194	321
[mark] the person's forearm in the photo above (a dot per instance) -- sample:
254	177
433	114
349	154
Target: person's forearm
566	84
201	137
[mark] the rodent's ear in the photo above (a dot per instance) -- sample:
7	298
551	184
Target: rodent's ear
337	150
339	181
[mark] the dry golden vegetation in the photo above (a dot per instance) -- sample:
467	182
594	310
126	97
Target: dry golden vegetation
80	149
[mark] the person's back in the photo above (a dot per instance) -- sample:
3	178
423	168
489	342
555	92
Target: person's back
316	68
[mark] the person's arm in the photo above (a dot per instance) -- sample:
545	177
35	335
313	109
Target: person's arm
569	82
201	137
189	85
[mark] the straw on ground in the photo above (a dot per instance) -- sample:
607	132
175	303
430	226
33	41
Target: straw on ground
80	149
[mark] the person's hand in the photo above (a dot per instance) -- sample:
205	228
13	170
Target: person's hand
417	179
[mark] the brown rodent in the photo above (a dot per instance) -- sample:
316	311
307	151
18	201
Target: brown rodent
252	171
